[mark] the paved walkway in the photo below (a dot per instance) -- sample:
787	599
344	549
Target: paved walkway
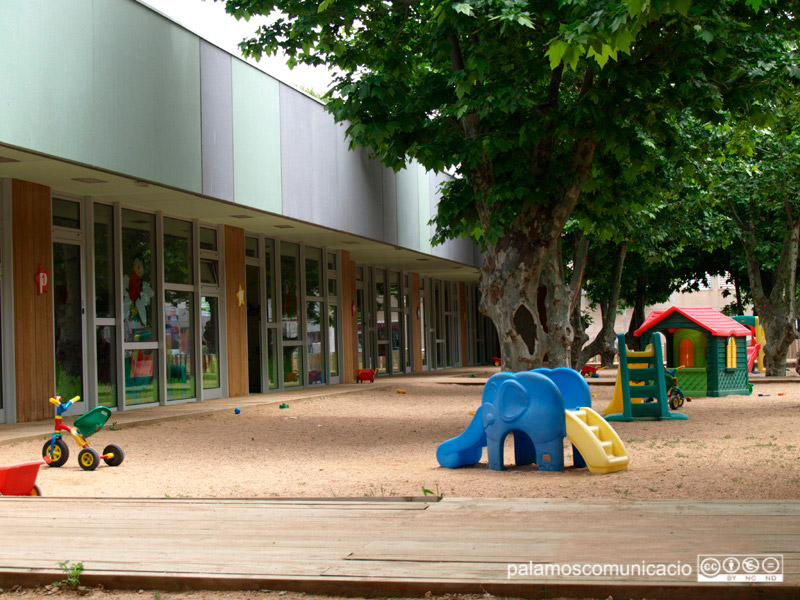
152	413
393	547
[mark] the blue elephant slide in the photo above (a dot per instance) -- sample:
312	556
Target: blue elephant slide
541	408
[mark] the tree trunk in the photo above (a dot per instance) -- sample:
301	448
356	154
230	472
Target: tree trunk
512	269
580	337
637	317
554	311
603	344
778	311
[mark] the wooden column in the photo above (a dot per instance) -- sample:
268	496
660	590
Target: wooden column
416	322
349	333
236	312
462	317
33	313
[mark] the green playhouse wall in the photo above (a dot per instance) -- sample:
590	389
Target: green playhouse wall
721	380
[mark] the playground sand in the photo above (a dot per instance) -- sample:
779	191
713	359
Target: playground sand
378	442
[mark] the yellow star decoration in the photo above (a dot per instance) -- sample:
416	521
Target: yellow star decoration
240	295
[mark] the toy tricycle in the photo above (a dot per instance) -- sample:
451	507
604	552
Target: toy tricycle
20	480
675	395
89	423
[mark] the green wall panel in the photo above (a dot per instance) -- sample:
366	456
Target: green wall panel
147	95
256	138
46	76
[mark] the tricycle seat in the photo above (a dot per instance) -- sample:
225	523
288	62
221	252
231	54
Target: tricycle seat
93	421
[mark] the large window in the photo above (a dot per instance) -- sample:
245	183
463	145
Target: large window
290	314
139	314
210	310
179	311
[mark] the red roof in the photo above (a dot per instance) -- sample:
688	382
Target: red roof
706	317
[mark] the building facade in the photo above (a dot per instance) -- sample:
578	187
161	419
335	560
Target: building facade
176	225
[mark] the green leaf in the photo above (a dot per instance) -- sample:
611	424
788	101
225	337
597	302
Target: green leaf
464	9
635	7
556	52
324	5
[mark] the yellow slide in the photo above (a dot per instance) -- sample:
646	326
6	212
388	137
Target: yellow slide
596	440
616	406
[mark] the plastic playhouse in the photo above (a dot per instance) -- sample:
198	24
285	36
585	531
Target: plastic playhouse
711	347
641	376
541	408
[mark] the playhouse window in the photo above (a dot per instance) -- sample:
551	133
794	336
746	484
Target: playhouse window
731	353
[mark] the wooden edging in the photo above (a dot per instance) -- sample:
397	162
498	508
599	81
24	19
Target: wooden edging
378	587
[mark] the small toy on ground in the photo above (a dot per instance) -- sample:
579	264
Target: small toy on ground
496	361
590	371
237	410
20	480
56	449
541	408
283	405
365	375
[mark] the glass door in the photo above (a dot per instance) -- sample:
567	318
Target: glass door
253	301
68	312
139	308
291	325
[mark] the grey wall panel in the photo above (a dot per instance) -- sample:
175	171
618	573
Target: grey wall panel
392	221
360	195
216	112
309	174
323	181
407	208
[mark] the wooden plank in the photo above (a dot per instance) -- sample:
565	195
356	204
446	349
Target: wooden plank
236	314
382	547
33	313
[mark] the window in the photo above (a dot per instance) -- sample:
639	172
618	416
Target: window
731	353
66	213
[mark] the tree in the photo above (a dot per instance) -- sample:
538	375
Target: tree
756	179
518	99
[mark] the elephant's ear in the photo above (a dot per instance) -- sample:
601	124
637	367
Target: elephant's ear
489	395
512	400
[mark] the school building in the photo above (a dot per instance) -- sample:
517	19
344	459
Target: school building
177	225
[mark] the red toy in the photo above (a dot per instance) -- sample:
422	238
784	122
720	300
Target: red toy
588	371
365	375
20	480
496	361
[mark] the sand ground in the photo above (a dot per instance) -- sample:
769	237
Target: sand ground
379	442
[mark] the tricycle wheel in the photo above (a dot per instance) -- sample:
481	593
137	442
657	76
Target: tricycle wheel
36	491
675	399
60	452
88	458
117	455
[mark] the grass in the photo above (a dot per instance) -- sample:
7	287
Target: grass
72	572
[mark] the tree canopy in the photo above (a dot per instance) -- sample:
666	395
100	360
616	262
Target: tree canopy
530	105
